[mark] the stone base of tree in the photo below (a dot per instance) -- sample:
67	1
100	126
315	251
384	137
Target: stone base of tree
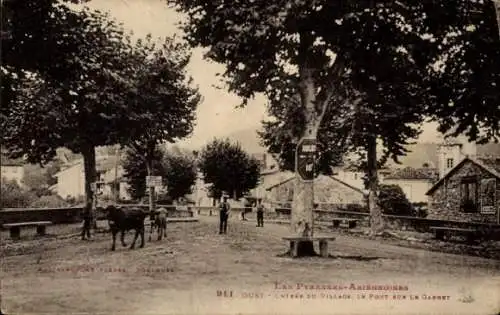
304	246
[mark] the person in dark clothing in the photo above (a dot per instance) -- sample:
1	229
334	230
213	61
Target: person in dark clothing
224	213
260	214
87	221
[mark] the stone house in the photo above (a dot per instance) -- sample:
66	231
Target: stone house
327	190
468	192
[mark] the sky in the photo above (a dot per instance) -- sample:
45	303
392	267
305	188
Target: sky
217	115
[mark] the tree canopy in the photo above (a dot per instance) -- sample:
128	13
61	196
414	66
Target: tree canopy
228	168
135	170
101	83
178	172
346	61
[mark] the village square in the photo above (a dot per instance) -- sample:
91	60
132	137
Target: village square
210	157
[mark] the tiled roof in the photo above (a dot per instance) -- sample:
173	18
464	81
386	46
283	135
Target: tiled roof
413	173
491	165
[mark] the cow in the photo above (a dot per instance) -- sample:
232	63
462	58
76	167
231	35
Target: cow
159	220
122	220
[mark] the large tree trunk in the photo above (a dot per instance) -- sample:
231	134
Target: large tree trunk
89	164
376	220
302	223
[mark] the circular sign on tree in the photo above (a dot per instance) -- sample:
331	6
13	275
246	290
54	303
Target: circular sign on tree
304	157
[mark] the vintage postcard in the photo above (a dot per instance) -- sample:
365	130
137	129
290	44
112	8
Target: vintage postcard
250	157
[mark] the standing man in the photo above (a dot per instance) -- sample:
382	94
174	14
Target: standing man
260	213
224	213
87	221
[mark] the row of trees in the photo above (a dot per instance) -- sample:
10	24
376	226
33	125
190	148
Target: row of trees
353	73
223	165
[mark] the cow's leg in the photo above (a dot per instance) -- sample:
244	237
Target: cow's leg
151	230
123	238
165	229
160	231
113	232
142	236
135	239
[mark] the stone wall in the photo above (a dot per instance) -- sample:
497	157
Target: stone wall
326	191
445	201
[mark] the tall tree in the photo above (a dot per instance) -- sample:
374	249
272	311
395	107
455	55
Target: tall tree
300	52
104	92
79	110
228	168
180	174
166	89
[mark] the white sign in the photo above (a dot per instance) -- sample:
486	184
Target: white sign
153	181
309	148
488	210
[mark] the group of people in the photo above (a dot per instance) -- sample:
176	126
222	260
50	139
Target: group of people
224	208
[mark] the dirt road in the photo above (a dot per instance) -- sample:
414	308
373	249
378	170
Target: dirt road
185	273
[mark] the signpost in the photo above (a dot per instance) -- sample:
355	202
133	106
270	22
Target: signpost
305	155
153	181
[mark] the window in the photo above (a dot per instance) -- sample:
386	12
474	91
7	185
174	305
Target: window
449	163
469	194
355	176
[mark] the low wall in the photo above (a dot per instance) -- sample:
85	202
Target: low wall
393	222
73	214
172	211
56	215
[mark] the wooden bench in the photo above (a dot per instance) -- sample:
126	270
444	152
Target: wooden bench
323	244
349	222
15	228
440	231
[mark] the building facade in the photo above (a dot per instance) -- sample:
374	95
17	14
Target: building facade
415	182
468	192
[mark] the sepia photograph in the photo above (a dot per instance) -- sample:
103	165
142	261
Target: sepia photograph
250	157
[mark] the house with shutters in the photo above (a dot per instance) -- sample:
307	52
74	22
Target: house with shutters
469	191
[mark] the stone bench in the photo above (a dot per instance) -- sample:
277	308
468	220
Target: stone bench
15	228
323	244
349	222
440	232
